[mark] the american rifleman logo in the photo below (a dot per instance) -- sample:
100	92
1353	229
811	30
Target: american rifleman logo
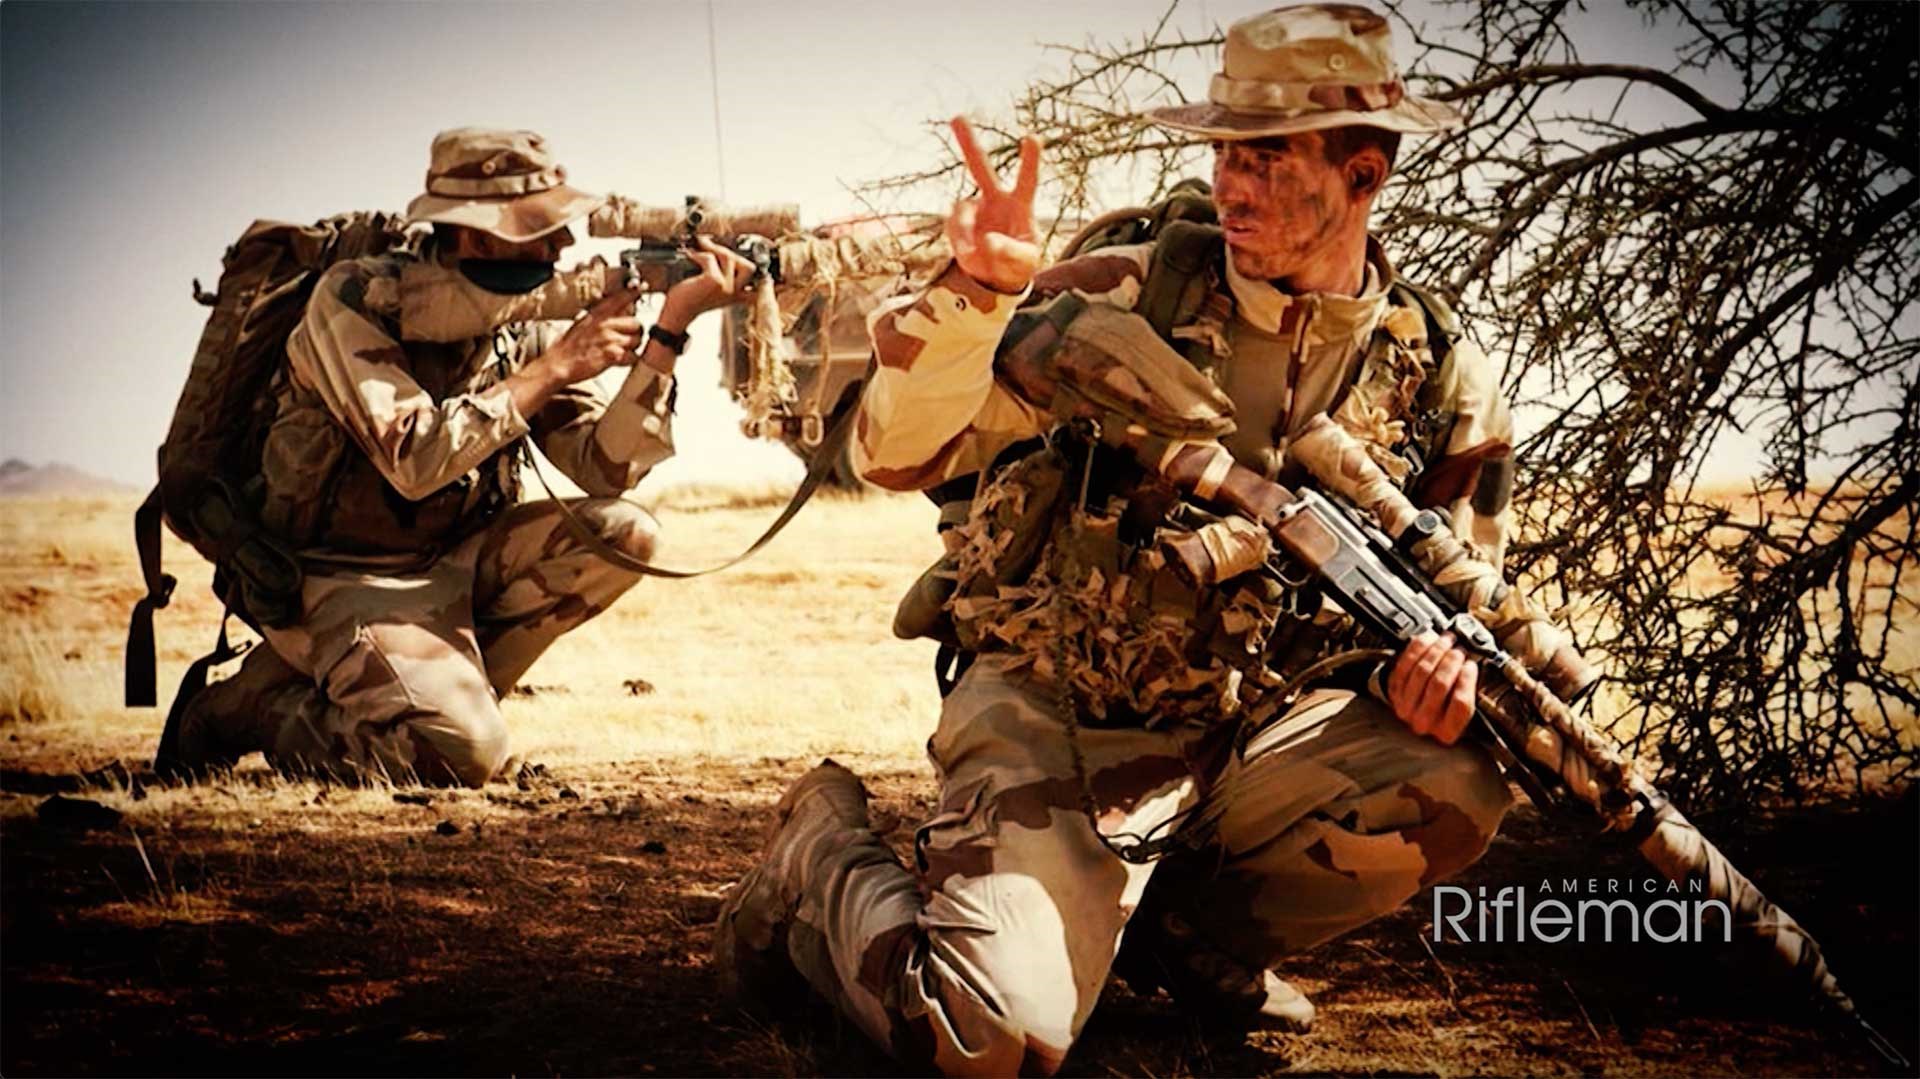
1609	910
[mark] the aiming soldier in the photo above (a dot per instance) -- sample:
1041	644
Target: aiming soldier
392	466
1095	712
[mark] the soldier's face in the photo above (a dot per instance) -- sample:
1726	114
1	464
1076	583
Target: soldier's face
1282	203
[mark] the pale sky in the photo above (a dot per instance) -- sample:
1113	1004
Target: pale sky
137	140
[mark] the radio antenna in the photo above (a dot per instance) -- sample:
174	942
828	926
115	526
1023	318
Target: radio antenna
713	74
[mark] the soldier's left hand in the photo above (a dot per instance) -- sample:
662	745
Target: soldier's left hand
722	280
1432	687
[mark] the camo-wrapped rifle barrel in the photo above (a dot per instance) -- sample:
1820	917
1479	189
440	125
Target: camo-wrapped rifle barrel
1400	574
793	266
798	263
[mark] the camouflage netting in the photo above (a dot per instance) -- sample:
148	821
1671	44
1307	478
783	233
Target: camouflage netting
1119	629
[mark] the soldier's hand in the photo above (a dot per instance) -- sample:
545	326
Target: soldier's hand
722	280
992	236
606	336
1432	687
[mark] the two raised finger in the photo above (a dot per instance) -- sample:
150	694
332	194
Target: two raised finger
1024	182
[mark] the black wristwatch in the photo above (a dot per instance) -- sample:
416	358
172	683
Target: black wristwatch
675	343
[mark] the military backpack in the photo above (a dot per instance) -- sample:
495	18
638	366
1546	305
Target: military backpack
209	465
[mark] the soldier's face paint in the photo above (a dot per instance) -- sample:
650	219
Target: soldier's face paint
1282	204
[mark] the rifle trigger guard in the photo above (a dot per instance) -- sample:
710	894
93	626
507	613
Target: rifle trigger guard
1302	602
1280	567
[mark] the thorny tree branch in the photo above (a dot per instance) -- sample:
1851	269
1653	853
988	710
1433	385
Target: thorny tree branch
1734	279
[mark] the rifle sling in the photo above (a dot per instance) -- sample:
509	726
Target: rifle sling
825	456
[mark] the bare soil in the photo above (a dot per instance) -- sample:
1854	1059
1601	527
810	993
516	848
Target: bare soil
559	925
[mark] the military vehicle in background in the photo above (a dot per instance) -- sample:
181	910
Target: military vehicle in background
826	342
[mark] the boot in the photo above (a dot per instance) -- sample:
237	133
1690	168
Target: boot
1161	950
750	939
231	718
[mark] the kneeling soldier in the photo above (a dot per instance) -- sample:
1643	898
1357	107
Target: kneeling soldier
1098	709
392	466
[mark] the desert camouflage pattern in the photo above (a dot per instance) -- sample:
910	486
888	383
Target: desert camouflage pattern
1307	67
1333	814
498	180
393	466
1129	626
1348	468
988	954
1121	628
933	410
399	676
1110	364
388	450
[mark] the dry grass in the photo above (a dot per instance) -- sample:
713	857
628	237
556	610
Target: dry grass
260	924
740	663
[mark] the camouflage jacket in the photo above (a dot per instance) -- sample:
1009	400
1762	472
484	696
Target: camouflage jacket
386	450
932	410
1135	640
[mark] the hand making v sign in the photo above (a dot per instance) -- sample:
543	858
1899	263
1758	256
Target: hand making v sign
992	235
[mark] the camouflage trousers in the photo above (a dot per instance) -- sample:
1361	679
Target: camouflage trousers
400	675
989	955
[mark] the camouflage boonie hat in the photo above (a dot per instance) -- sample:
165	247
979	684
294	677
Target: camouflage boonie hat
498	181
1307	68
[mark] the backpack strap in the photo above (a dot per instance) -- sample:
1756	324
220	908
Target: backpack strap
166	758
1180	275
1442	327
141	676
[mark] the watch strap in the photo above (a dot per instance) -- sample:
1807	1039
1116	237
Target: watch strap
675	343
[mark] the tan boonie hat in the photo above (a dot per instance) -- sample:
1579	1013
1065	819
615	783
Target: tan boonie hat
1307	68
498	181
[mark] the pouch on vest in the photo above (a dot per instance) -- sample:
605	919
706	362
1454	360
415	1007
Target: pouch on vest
1091	361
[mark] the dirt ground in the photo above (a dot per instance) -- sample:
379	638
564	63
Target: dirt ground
559	925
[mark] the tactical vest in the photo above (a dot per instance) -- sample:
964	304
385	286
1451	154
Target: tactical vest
1068	555
322	492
